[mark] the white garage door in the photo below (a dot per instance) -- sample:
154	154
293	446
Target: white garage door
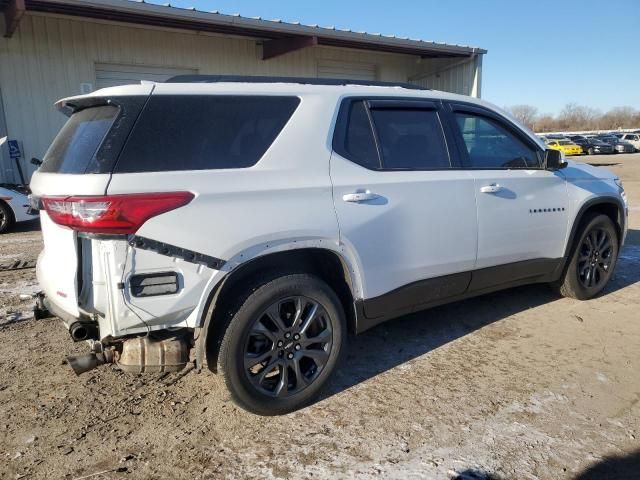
110	75
353	71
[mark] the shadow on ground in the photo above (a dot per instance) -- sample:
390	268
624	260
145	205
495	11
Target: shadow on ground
401	340
624	467
28	226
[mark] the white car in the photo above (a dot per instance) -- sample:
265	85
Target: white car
14	206
253	223
632	138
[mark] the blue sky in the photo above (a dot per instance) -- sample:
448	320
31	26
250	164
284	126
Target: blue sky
543	53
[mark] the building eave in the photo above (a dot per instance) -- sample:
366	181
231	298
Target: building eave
294	33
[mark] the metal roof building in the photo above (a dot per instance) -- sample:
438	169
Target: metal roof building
56	48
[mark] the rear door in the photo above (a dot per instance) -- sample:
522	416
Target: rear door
522	208
402	207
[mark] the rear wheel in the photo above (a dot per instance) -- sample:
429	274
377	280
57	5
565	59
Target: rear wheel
593	259
6	217
284	339
590	151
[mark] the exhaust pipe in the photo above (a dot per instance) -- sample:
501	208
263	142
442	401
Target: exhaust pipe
135	355
80	331
88	361
84	363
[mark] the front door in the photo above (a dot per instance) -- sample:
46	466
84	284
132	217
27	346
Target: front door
522	208
402	209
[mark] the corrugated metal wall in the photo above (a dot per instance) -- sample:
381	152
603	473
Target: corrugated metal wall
457	76
49	57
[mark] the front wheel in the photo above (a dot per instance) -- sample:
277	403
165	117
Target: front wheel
283	342
593	259
590	151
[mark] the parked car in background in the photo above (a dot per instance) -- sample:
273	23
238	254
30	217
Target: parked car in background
14	206
624	147
608	138
632	138
564	145
592	146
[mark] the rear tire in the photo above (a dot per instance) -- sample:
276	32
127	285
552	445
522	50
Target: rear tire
6	217
284	338
593	259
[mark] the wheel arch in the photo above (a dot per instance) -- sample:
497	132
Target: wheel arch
607	205
329	265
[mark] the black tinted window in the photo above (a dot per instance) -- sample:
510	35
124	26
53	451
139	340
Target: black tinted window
359	143
491	146
411	139
77	142
184	132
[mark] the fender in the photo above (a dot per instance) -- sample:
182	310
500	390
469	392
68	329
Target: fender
202	315
600	200
592	202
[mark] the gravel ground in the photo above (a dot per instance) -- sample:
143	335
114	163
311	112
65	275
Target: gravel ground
518	384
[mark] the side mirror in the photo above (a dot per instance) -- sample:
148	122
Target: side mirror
554	159
36	161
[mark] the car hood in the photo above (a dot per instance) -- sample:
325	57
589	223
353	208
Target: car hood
583	171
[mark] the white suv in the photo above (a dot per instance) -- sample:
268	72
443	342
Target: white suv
250	224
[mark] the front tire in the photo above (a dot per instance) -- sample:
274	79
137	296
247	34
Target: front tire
284	339
592	260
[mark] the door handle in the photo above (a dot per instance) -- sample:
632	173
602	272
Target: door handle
493	188
358	197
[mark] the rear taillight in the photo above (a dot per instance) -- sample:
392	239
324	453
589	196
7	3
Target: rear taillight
118	214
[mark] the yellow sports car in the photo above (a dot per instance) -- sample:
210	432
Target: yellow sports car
566	146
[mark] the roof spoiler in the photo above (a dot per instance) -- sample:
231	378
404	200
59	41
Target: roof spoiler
71	105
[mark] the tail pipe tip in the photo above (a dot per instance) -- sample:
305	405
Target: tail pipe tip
88	361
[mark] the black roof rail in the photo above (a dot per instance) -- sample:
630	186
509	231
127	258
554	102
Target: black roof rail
300	80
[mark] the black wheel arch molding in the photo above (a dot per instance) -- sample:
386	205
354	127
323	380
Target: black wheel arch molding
599	201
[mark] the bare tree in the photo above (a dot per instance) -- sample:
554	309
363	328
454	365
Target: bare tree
577	117
524	113
545	123
574	117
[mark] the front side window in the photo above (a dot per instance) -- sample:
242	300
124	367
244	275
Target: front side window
491	146
411	139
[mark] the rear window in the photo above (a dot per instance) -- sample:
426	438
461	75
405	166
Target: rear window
76	144
188	132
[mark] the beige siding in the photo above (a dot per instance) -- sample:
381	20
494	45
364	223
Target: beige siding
457	76
49	57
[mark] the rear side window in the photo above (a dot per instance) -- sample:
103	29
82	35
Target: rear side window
359	141
77	142
188	132
411	139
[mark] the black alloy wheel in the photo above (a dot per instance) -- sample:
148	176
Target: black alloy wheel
595	258
288	346
281	338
